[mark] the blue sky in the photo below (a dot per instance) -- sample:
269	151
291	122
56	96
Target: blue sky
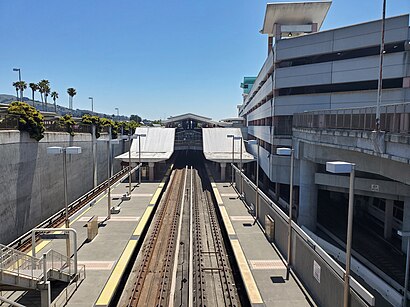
152	58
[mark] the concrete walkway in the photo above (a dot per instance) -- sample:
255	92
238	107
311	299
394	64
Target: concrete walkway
101	255
265	264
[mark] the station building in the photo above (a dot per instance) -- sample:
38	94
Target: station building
316	92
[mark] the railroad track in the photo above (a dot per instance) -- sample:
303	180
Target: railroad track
23	243
152	273
183	260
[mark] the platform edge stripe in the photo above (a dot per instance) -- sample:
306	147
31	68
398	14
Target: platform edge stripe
154	198
143	221
227	222
218	197
111	285
247	277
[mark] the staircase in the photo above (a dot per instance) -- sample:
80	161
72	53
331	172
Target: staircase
21	272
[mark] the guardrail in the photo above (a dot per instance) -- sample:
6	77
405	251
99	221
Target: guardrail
24	241
394	118
320	274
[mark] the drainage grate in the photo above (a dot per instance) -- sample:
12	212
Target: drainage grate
266	264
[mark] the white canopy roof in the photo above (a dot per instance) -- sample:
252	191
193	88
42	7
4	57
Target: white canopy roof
158	145
294	13
218	147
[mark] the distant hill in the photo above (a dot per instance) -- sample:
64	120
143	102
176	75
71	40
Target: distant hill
7	99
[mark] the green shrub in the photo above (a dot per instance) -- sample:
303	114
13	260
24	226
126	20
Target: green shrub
30	120
68	122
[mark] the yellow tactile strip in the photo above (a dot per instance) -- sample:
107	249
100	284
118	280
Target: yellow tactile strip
110	287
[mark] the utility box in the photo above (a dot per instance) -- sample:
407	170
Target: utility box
269	228
92	228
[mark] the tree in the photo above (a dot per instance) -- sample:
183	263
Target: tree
16	85
47	91
135	118
43	87
71	93
34	88
54	95
22	87
30	119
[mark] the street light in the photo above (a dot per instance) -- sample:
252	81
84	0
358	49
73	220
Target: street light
288	152
406	234
129	138
72	150
346	168
19	70
139	136
255	142
109	142
92	104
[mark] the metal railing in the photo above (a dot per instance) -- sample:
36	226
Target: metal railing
20	265
307	257
394	118
9	122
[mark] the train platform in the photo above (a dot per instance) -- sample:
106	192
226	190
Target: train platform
262	268
106	256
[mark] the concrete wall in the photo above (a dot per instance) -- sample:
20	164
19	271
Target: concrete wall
31	184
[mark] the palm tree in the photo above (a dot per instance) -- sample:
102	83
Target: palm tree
54	95
34	88
16	85
47	91
22	87
42	88
71	93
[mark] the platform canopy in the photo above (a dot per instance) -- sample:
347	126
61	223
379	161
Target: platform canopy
217	145
194	117
156	146
294	13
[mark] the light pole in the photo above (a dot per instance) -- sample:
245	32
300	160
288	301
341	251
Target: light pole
289	152
139	136
92	104
406	234
346	168
129	138
240	162
19	70
73	150
109	142
255	142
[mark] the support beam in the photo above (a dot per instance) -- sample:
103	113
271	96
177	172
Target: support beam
223	171
388	218
307	195
151	166
406	222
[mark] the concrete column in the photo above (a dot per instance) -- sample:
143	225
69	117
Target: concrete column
307	195
223	171
265	181
388	218
151	166
45	294
406	222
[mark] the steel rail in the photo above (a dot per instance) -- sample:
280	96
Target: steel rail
161	234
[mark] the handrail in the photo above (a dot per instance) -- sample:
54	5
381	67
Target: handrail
20	264
394	118
90	195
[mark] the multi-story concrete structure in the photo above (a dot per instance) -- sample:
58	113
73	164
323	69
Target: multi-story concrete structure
311	70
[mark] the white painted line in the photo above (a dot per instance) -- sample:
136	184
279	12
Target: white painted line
113	218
